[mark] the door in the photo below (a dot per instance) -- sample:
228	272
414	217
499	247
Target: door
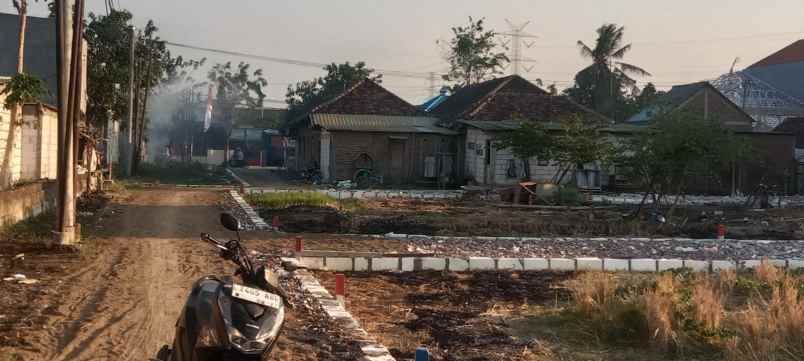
30	152
396	151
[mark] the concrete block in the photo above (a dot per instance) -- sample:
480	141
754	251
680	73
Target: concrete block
420	237
589	264
481	264
721	265
508	239
458	265
781	263
361	264
429	264
340	264
562	264
669	264
312	262
486	239
408	264
697	266
510	264
615	265
795	264
536	264
750	263
385	264
643	265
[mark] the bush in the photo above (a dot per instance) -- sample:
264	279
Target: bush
568	195
291	199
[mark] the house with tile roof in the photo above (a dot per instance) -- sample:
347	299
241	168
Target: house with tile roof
483	111
771	89
368	127
772	152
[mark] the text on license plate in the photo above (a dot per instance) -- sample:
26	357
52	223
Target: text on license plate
257	296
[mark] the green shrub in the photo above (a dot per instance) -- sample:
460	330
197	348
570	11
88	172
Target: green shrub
568	195
291	199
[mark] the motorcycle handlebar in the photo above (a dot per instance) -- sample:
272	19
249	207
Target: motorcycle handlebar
216	243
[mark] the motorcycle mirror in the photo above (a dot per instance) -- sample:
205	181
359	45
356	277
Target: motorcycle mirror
230	222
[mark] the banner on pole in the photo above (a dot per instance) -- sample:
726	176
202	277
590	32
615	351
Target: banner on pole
208	114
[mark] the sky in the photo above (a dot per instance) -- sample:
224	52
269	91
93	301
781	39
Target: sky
678	41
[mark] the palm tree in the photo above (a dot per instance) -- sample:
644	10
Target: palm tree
607	75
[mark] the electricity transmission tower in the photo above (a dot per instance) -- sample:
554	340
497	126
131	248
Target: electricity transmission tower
517	38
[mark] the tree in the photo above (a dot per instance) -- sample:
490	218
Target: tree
236	87
604	84
306	95
662	158
575	144
23	89
5	172
109	40
472	55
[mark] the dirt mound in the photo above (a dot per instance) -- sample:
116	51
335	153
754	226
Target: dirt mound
398	224
306	219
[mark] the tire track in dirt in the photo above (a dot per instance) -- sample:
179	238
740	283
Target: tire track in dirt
125	304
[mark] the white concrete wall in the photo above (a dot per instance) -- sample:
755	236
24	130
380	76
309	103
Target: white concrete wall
15	161
49	145
476	167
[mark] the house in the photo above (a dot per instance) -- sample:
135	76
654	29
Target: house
771	89
367	126
772	152
34	151
701	98
483	111
795	126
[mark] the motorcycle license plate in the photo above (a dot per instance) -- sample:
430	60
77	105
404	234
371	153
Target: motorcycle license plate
257	296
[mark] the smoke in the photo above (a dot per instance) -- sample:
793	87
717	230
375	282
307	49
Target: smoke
164	104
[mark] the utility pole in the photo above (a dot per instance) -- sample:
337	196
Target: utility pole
128	153
70	19
432	79
517	36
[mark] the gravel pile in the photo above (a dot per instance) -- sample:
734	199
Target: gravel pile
610	248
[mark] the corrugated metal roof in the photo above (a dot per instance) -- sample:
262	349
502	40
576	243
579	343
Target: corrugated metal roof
379	123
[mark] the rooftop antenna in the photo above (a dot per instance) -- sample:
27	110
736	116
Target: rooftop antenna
734	64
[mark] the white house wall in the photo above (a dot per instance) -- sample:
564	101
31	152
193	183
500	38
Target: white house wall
5	121
498	169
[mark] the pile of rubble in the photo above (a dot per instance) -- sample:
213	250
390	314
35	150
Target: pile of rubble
685	248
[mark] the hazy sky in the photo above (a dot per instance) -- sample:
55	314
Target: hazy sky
678	41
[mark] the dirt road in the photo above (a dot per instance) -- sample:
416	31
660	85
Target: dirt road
123	304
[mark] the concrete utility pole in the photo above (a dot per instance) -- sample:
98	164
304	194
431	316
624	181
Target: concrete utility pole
128	151
70	16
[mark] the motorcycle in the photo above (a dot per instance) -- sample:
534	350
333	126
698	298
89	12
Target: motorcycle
228	320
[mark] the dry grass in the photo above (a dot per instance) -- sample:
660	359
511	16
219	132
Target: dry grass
658	306
771	330
768	273
708	300
698	312
593	292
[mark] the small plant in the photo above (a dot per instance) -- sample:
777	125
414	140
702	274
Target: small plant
568	195
291	199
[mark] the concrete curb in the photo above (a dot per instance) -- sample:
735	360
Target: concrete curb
474	264
254	217
237	178
447	239
367	194
372	351
697	200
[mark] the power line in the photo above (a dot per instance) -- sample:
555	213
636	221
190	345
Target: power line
689	41
311	64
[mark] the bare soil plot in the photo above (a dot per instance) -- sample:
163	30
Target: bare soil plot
472	218
537	316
